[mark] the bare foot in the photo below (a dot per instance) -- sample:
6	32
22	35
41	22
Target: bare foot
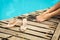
45	16
42	17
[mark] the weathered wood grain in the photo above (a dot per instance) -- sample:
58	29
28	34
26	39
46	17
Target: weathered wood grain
21	34
35	30
57	33
16	38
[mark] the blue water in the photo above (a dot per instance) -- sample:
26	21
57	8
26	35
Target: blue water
12	8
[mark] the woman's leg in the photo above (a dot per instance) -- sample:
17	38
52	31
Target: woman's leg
55	7
45	16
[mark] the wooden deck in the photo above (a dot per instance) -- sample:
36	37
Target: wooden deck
47	30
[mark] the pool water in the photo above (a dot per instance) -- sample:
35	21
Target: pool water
13	8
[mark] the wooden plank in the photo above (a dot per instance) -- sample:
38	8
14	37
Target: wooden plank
36	33
4	35
57	33
15	28
49	23
41	25
21	34
35	28
16	38
54	20
40	29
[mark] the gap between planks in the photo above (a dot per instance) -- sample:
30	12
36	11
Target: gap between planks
57	33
